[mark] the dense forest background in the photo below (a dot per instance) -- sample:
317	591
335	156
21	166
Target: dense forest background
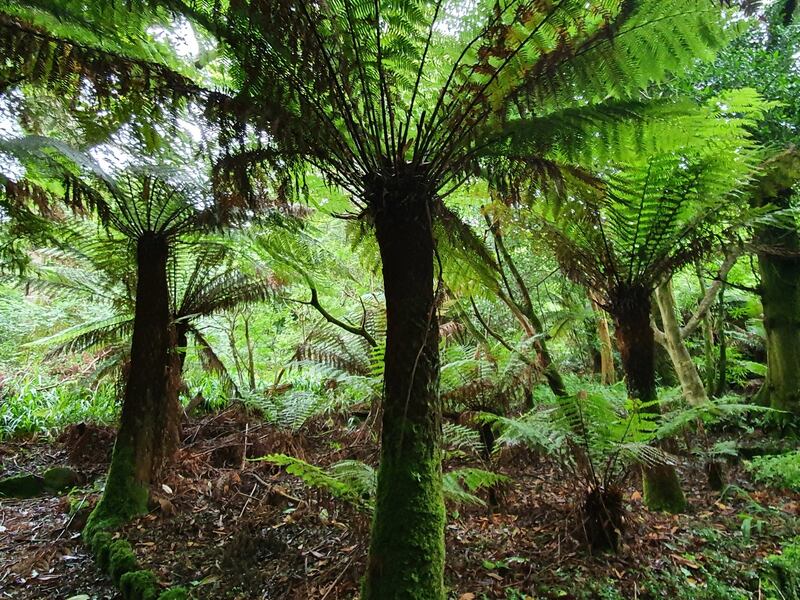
399	299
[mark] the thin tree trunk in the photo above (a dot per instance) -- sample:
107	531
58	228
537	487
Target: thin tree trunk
251	365
148	432
694	392
406	554
636	344
708	334
722	364
691	384
525	313
608	374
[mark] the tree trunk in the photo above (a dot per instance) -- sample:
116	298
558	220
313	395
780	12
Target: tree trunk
721	385
182	343
694	392
691	384
148	431
608	373
780	297
636	343
524	312
406	554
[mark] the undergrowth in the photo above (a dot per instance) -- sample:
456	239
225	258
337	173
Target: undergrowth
781	471
33	406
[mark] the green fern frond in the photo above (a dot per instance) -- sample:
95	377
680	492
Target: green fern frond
460	485
317	477
460	437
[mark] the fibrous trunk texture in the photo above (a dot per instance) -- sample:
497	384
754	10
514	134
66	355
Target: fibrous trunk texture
406	554
603	519
148	431
636	343
691	384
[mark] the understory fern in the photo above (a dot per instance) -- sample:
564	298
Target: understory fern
355	482
597	434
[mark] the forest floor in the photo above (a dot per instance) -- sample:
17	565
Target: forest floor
228	527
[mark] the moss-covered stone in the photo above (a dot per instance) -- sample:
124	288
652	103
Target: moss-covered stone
103	556
21	486
176	593
139	585
59	479
121	559
96	543
662	489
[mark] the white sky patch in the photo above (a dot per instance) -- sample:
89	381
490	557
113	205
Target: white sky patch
9	126
180	37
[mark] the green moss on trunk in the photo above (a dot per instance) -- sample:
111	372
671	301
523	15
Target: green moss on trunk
780	296
779	266
124	498
406	555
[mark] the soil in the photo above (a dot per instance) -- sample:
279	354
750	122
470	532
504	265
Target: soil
232	528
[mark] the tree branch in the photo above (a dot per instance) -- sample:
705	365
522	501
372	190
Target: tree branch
359	331
731	256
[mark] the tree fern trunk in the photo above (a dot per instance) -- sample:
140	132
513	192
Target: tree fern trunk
406	555
636	343
148	431
182	343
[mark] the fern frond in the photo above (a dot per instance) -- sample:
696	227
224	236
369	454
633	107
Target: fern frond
460	437
460	485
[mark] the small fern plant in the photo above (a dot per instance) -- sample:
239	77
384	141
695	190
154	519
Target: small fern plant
355	482
598	435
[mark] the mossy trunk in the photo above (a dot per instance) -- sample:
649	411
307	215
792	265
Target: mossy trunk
780	297
406	554
636	343
691	383
148	431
